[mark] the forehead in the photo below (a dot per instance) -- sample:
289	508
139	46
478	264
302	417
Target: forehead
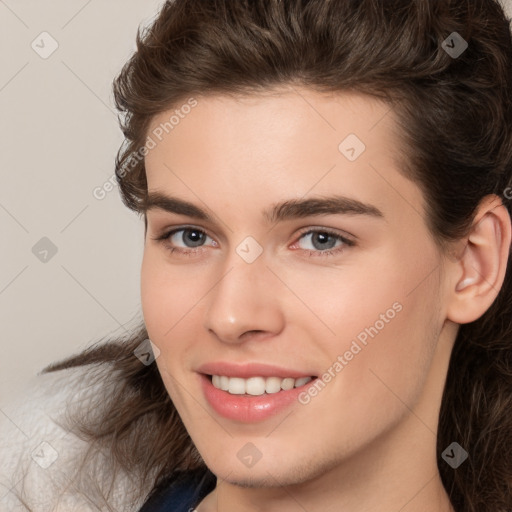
279	114
286	141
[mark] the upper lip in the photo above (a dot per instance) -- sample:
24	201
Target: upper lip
224	368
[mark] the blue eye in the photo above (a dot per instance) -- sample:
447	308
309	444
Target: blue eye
322	242
191	238
194	237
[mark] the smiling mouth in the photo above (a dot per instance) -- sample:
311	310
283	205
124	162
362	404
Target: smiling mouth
257	386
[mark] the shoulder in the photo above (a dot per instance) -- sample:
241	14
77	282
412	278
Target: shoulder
39	456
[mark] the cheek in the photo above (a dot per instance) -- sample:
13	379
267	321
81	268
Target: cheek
385	328
153	295
168	296
173	299
168	300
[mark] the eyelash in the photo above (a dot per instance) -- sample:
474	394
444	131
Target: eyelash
310	253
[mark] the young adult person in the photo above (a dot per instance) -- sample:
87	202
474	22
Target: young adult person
326	284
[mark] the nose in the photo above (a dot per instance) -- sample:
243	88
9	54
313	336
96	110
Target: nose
245	303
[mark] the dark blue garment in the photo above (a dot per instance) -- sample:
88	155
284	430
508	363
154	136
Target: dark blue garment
181	493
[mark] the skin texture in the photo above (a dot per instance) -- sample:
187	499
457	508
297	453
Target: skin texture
367	441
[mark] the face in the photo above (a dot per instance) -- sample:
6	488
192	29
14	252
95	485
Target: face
341	283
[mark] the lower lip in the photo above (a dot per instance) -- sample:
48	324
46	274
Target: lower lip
246	408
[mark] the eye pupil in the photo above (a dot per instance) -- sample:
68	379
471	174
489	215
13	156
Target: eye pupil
323	239
194	236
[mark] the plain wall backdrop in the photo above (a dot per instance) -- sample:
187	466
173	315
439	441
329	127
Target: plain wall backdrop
59	136
70	262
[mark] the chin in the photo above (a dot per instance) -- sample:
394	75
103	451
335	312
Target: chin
267	475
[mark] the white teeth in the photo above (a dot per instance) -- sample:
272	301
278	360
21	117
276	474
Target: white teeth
302	381
256	385
273	384
236	386
287	383
224	383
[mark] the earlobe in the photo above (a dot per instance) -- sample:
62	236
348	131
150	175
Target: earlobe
479	273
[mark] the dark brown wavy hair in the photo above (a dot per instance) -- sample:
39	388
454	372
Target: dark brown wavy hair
455	114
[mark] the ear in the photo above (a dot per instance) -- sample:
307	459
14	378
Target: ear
477	276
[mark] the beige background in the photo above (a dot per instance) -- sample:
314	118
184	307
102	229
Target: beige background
59	135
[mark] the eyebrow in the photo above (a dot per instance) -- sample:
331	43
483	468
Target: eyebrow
286	210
